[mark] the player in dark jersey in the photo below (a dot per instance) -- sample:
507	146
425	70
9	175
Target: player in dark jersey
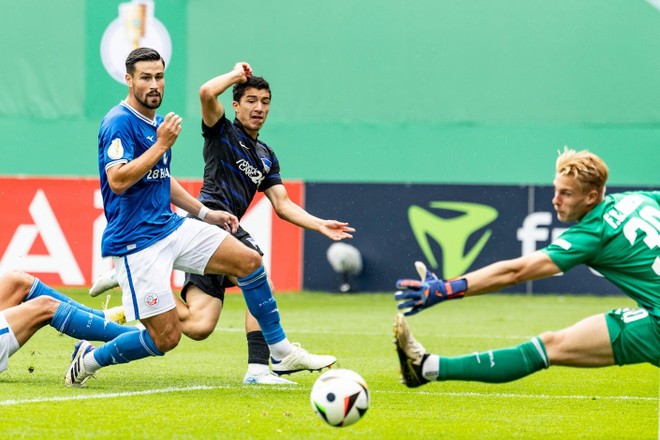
617	235
237	165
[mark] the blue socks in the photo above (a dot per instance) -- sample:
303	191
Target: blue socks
126	347
39	289
127	343
262	305
81	324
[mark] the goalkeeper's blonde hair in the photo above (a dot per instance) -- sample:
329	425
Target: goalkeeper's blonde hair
588	169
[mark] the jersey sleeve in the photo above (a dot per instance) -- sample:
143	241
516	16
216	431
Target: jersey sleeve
273	177
655	195
577	245
217	129
118	143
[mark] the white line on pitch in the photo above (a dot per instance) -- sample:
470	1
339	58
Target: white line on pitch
206	388
524	396
111	395
333	332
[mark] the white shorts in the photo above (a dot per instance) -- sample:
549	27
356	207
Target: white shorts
8	343
145	276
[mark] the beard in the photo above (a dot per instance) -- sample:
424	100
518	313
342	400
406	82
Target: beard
151	101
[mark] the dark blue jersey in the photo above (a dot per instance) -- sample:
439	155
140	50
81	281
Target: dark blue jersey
235	167
142	214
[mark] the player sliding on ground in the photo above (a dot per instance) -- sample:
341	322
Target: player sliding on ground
617	235
27	305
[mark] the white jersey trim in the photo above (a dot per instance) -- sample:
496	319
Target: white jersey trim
115	162
139	115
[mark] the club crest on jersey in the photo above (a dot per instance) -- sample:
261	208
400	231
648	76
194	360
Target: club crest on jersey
267	164
151	300
115	150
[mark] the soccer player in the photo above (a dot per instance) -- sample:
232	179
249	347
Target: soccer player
147	239
617	235
237	165
27	305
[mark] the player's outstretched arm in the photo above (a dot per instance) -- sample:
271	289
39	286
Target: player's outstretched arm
336	230
417	295
287	210
507	273
212	108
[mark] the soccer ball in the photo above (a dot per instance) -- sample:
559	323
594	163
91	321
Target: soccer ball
340	397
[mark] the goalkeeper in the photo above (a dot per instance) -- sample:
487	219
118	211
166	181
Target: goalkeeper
617	235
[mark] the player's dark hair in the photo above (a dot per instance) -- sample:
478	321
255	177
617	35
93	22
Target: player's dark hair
256	82
141	54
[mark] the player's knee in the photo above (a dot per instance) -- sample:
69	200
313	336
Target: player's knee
199	332
548	338
19	280
552	342
166	342
46	305
249	264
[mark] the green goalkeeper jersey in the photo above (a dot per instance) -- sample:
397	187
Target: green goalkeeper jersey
620	239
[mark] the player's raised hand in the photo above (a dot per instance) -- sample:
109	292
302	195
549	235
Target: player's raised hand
169	130
429	290
335	230
225	220
243	70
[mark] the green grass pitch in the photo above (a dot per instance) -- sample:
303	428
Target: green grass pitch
196	391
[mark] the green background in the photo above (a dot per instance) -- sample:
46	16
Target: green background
426	91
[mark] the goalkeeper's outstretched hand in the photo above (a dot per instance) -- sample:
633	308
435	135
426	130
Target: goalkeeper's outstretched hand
416	295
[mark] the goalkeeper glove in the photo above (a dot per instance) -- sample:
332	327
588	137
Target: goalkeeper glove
417	295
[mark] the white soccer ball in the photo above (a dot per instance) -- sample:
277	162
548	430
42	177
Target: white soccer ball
340	397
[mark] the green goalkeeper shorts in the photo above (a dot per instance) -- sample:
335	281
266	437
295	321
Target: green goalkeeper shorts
635	336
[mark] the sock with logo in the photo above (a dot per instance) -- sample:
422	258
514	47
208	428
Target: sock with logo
262	305
430	367
39	289
495	366
81	324
127	347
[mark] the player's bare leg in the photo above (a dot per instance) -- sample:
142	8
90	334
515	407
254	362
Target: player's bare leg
28	317
584	344
14	288
200	313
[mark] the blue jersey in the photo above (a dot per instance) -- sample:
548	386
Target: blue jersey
142	214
